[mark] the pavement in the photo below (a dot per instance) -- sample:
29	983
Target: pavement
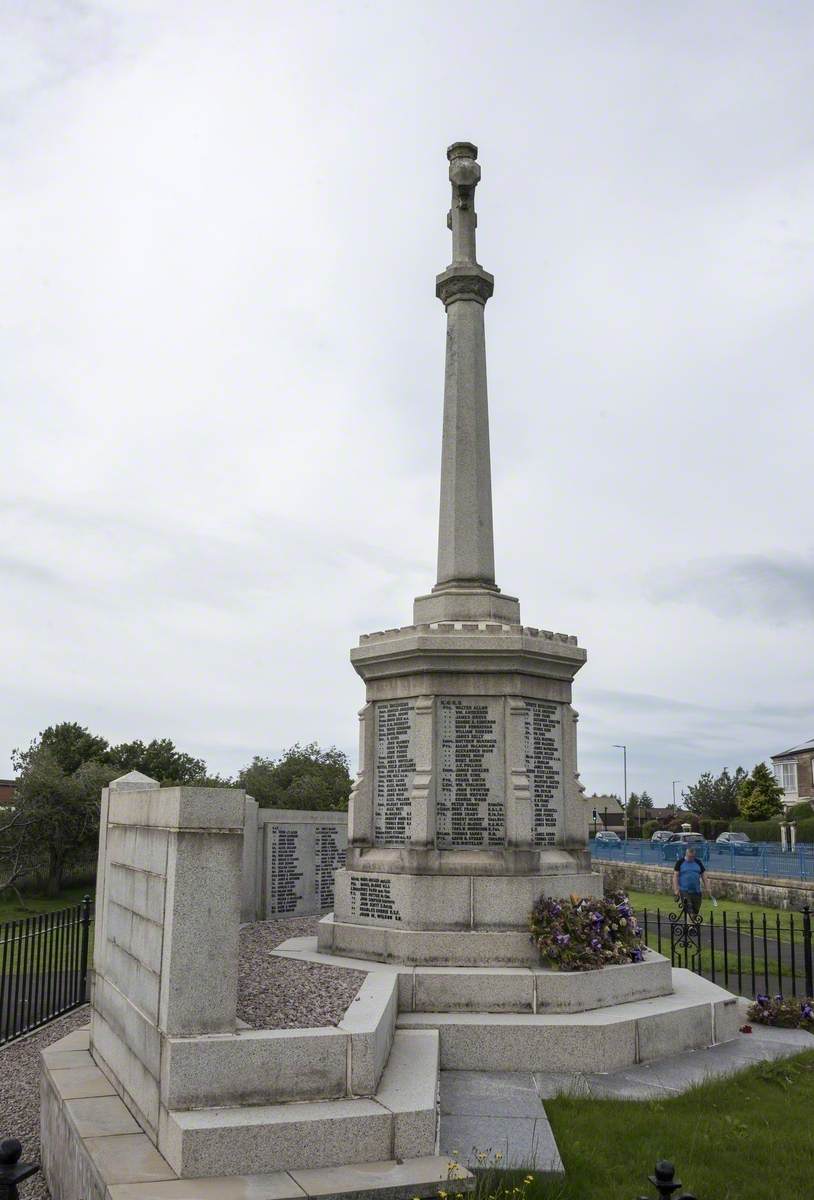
497	1118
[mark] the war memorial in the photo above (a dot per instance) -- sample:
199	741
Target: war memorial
467	808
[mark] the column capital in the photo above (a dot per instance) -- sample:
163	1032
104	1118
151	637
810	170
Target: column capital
464	281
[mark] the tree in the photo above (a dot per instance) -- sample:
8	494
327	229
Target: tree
715	798
303	777
159	759
57	814
72	745
760	796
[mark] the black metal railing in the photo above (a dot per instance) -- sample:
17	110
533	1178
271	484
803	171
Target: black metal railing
43	967
744	953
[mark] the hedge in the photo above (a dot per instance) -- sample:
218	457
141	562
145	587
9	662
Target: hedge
758	831
800	812
711	828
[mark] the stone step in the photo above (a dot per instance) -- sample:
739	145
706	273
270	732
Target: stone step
697	1014
400	1121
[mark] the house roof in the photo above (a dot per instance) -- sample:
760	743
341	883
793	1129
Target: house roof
809	745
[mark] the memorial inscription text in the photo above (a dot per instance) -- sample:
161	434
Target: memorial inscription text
470	799
544	766
394	771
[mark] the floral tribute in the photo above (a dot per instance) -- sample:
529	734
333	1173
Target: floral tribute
788	1013
586	934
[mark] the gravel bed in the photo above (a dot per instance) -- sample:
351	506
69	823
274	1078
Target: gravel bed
273	993
281	993
20	1092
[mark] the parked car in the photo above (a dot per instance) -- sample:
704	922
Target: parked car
606	837
661	835
740	843
678	843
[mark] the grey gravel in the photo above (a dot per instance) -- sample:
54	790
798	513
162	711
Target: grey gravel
20	1092
281	993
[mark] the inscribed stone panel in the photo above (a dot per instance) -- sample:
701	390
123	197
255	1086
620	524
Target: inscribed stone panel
394	768
470	808
544	765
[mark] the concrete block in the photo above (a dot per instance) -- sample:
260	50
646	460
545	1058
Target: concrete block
506	1142
726	1020
60	1059
254	1067
444	948
277	1186
362	941
411	901
127	1158
328	1133
72	1083
137	891
248	904
100	1116
504	901
77	1039
66	1167
138	936
370	1021
133	979
199	961
493	989
490	1094
380	1180
579	991
409	1089
137	1032
178	808
132	1079
143	850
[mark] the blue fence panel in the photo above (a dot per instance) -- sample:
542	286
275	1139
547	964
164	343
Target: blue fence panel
764	859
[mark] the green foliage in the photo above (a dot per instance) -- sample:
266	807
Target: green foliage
788	1012
711	829
800	812
159	759
586	934
303	777
649	828
758	831
805	830
72	744
760	796
715	797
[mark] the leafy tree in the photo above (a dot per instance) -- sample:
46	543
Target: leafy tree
760	795
57	814
72	744
159	759
303	777
715	798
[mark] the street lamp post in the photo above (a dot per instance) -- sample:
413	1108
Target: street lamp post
675	781
616	746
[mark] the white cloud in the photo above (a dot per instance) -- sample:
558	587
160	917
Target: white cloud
223	359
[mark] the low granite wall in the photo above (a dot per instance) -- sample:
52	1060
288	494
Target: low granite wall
773	892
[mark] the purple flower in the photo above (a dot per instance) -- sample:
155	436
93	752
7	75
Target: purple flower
779	998
637	955
562	939
597	918
806	1012
556	909
596	944
762	1000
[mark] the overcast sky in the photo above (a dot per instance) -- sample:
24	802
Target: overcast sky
222	360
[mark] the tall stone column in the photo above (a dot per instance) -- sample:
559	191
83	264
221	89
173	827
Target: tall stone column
468	804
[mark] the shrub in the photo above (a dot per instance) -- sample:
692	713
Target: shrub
586	934
649	828
805	830
760	796
788	1013
758	831
711	829
800	812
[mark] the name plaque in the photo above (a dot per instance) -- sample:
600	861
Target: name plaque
393	772
470	811
301	858
371	896
285	870
329	855
544	766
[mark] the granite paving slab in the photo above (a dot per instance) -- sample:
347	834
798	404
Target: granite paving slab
480	1142
490	1093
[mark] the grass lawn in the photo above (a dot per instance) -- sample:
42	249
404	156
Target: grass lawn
43	950
666	902
740	1139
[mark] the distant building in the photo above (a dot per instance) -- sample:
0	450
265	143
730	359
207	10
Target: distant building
606	812
794	770
6	792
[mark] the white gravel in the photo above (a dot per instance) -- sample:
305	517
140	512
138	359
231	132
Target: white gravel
281	993
273	993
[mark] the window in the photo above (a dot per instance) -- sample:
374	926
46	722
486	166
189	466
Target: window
786	773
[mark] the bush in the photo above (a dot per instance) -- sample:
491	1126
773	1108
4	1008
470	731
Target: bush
758	831
685	819
805	830
587	934
710	829
800	812
787	1013
649	828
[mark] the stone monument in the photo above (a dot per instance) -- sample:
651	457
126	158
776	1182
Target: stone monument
468	804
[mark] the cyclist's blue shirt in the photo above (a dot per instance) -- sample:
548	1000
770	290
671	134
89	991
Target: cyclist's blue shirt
689	875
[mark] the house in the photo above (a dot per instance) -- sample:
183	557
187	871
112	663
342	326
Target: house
794	770
6	792
606	812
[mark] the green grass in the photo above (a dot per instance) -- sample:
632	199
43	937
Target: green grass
45	949
737	1139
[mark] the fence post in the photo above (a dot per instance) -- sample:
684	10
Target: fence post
83	962
809	967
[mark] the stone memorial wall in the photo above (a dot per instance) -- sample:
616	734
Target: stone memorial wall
295	856
393	771
544	766
470	800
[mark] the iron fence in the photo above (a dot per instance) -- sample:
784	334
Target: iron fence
744	953
763	859
43	967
